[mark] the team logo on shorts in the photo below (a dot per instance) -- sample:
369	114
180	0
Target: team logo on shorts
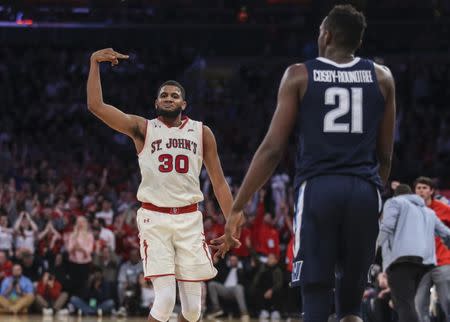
296	271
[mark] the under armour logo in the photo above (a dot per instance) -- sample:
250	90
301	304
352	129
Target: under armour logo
190	130
146	220
174	210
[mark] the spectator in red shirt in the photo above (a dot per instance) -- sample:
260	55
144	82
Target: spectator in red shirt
5	265
246	243
49	241
212	229
49	295
439	276
265	237
290	255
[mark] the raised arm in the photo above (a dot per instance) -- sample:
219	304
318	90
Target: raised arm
215	172
33	225
132	125
385	141
19	221
44	233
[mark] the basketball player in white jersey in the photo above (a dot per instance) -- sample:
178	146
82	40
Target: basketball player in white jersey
171	150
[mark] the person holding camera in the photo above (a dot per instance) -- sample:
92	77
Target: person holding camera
49	295
98	297
16	292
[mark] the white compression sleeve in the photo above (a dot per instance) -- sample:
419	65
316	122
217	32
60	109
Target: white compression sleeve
191	300
165	295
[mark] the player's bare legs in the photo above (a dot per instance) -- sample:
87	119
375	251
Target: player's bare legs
351	318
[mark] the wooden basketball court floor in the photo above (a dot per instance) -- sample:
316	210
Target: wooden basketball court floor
40	318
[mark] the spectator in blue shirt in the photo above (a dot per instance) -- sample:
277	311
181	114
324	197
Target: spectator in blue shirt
16	292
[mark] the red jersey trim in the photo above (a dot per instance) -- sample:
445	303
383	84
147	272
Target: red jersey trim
186	119
205	248
145	252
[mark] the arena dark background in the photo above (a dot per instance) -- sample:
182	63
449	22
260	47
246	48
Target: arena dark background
229	55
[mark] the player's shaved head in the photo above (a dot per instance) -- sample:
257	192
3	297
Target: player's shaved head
347	26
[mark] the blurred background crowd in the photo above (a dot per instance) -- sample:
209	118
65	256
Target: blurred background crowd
68	236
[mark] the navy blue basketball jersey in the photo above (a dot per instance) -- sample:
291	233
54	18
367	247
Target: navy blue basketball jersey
339	118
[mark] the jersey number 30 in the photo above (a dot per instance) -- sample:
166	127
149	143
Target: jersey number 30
167	163
344	98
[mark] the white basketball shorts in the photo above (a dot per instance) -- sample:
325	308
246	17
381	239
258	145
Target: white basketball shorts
174	245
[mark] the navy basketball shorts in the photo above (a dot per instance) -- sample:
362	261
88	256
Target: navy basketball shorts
336	226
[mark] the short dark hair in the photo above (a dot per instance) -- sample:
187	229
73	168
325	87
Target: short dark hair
172	83
402	189
426	181
347	26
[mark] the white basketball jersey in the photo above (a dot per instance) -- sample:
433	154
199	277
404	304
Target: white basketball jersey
170	164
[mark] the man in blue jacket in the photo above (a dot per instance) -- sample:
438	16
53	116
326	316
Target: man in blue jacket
408	246
16	292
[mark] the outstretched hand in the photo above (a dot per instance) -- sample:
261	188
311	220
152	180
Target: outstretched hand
231	237
108	55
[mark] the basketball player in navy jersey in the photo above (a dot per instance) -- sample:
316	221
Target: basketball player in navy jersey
345	109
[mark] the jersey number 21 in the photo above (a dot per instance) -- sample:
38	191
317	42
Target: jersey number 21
345	99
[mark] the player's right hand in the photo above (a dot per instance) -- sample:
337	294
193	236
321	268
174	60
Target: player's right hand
108	55
223	244
231	237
